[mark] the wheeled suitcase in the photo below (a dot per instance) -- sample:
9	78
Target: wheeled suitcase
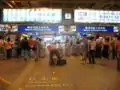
61	62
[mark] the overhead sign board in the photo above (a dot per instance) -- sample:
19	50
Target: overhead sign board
94	28
96	16
32	15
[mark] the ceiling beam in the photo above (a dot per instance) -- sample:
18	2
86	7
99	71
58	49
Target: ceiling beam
62	1
69	1
13	2
9	5
30	5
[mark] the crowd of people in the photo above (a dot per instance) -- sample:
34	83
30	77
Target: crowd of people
25	48
88	47
96	47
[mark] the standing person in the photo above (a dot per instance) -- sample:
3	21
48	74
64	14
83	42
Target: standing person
1	42
8	46
67	48
25	48
84	48
18	47
60	49
32	45
31	42
91	49
78	47
106	48
98	52
42	49
2	49
118	52
113	48
38	46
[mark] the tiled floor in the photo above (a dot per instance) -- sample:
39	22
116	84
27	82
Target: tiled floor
10	69
73	76
3	86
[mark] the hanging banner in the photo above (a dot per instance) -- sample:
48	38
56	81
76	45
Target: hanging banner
25	28
94	28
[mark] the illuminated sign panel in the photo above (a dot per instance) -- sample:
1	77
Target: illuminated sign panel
25	28
96	16
2	28
10	28
32	15
94	28
68	16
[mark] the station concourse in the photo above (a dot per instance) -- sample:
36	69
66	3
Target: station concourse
73	76
59	45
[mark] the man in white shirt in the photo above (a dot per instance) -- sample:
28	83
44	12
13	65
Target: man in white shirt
91	49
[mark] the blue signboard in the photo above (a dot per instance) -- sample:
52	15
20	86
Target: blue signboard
24	28
94	28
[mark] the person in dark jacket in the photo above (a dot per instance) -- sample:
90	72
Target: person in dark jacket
106	48
25	48
17	47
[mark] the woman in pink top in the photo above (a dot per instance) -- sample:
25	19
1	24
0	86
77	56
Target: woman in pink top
51	47
53	52
118	53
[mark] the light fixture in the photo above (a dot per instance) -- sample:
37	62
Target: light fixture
13	2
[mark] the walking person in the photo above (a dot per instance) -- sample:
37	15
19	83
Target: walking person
91	50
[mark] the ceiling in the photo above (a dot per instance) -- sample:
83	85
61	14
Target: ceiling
93	4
